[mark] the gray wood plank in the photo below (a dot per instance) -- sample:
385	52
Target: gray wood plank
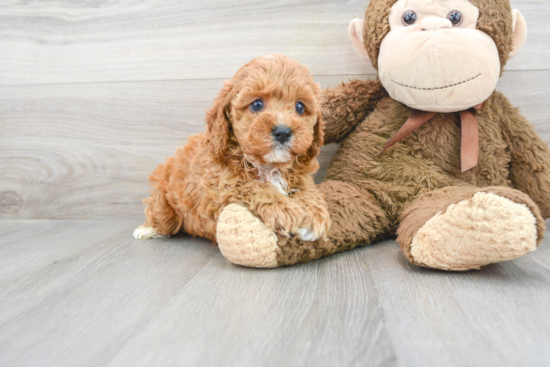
320	314
85	150
136	40
98	297
90	295
494	317
85	287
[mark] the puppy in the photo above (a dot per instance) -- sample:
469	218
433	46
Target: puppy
260	149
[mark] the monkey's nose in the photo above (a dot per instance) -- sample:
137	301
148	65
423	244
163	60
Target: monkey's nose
433	23
281	133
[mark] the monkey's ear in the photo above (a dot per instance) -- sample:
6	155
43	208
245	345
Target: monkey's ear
520	32
355	33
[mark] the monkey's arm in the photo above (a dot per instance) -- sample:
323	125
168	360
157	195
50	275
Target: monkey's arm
347	105
530	167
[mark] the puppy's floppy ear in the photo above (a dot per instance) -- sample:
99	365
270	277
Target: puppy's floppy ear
217	122
318	136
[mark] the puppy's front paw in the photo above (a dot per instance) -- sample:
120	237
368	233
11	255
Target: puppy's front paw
321	224
316	222
318	228
282	217
307	234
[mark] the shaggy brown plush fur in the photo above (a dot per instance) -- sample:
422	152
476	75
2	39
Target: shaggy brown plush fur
444	218
369	197
232	162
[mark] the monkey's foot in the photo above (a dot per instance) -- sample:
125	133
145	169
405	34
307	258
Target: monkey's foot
244	239
484	229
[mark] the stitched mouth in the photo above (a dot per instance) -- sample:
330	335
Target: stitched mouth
445	87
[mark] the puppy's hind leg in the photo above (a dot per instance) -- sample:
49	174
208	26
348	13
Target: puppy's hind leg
161	220
144	232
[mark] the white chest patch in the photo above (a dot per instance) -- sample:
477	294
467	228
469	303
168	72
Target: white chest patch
270	174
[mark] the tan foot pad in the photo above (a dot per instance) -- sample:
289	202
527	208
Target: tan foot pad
244	239
482	230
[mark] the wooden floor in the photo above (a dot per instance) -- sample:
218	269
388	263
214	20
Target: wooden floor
84	293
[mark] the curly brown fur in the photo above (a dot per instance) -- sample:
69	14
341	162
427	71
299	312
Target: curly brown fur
234	160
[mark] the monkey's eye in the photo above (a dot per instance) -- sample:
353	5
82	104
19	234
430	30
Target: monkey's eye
409	18
257	105
300	108
455	17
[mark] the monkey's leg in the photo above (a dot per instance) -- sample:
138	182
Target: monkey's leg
461	228
357	219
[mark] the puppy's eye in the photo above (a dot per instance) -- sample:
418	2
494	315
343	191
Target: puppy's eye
257	105
409	18
300	108
455	17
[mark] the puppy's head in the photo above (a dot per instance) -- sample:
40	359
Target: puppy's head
271	109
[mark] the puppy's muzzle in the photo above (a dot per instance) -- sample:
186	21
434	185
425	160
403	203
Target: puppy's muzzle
281	134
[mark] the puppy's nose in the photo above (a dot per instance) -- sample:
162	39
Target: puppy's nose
281	133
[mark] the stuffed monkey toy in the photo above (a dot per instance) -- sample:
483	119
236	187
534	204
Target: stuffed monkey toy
429	152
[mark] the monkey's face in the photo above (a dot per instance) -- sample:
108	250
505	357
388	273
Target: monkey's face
434	59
